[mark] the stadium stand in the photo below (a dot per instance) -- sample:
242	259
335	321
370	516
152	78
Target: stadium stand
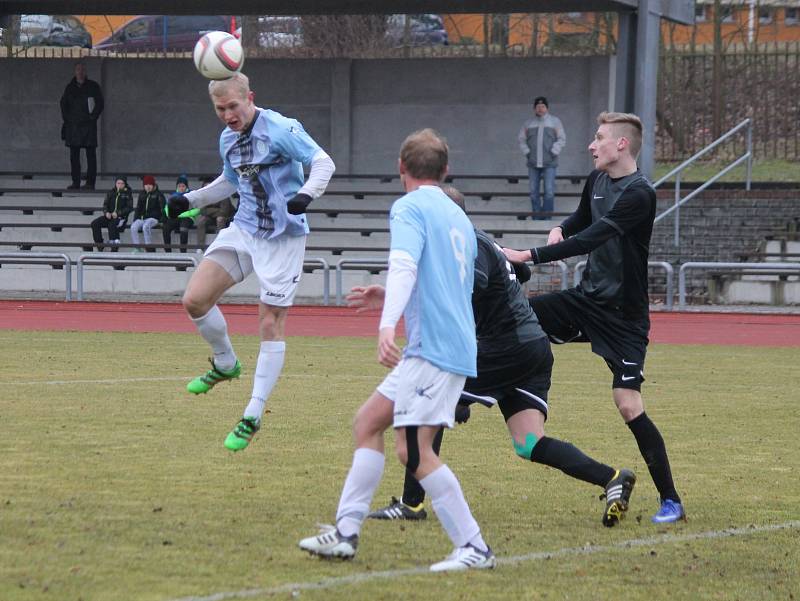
349	222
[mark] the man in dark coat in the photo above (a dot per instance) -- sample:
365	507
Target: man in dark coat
81	105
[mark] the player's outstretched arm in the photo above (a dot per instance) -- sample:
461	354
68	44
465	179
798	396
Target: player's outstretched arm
517	256
366	298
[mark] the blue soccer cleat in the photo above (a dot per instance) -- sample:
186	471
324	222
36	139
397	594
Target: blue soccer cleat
669	512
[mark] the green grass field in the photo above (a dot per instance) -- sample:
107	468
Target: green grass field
114	484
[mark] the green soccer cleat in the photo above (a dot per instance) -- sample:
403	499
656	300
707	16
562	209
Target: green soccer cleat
242	434
204	383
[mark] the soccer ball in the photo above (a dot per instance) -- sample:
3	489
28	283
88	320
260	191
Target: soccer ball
218	55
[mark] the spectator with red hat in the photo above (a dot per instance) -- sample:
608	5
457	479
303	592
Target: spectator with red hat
149	209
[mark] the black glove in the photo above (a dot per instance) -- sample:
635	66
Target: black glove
462	413
299	204
176	204
522	271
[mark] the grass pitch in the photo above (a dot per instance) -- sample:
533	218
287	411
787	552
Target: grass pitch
114	484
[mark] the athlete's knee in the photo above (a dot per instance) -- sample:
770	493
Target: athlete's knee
196	305
629	403
525	448
271	323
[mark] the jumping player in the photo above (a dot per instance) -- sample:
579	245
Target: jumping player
263	155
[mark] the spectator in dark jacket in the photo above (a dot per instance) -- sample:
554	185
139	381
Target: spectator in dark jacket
81	106
182	225
148	212
116	207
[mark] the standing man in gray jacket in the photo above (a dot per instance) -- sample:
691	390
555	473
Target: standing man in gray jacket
541	140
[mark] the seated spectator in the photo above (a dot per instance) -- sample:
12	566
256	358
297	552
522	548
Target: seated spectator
116	207
182	225
219	214
149	211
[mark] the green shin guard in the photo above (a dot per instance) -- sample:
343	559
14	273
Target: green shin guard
525	450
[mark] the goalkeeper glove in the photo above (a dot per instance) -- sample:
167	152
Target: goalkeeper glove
298	204
176	204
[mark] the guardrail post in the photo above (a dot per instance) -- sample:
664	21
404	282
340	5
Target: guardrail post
677	225
749	153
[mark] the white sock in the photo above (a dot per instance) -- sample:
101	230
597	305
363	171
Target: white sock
451	508
268	368
214	330
362	480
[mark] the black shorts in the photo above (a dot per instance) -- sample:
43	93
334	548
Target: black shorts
518	379
569	316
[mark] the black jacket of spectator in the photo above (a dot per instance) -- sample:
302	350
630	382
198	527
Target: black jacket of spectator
80	125
119	202
150	204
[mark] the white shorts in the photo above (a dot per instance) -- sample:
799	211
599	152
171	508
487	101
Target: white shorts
278	263
423	394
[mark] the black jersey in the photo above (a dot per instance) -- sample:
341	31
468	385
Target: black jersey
613	223
503	316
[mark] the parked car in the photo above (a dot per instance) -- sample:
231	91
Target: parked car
159	32
424	30
52	30
277	31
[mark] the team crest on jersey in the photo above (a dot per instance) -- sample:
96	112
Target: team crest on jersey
248	170
261	147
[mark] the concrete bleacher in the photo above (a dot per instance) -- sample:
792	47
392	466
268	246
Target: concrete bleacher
349	221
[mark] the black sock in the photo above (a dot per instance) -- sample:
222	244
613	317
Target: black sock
652	448
413	493
571	460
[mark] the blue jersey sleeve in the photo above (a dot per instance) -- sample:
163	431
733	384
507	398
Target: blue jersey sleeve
406	225
294	143
227	170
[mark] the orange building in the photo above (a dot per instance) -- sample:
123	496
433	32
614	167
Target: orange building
102	26
743	22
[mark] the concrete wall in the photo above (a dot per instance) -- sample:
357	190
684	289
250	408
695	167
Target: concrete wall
158	117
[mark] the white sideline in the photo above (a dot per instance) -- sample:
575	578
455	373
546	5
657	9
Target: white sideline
326	583
175	379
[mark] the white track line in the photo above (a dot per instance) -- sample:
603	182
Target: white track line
326	583
376	378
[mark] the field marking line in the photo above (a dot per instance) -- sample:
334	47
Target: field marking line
376	378
326	583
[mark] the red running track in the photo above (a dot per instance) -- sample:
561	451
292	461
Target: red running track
750	329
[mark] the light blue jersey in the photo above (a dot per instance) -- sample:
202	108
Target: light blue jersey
266	164
439	237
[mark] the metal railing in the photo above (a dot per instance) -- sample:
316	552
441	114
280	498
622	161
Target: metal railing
772	267
309	265
679	202
380	264
668	293
33	258
131	260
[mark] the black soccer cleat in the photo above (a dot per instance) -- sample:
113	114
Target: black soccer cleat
397	510
618	494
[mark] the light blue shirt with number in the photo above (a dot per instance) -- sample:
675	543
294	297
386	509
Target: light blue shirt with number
266	164
439	237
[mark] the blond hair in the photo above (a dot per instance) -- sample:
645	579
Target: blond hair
626	125
424	155
238	83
